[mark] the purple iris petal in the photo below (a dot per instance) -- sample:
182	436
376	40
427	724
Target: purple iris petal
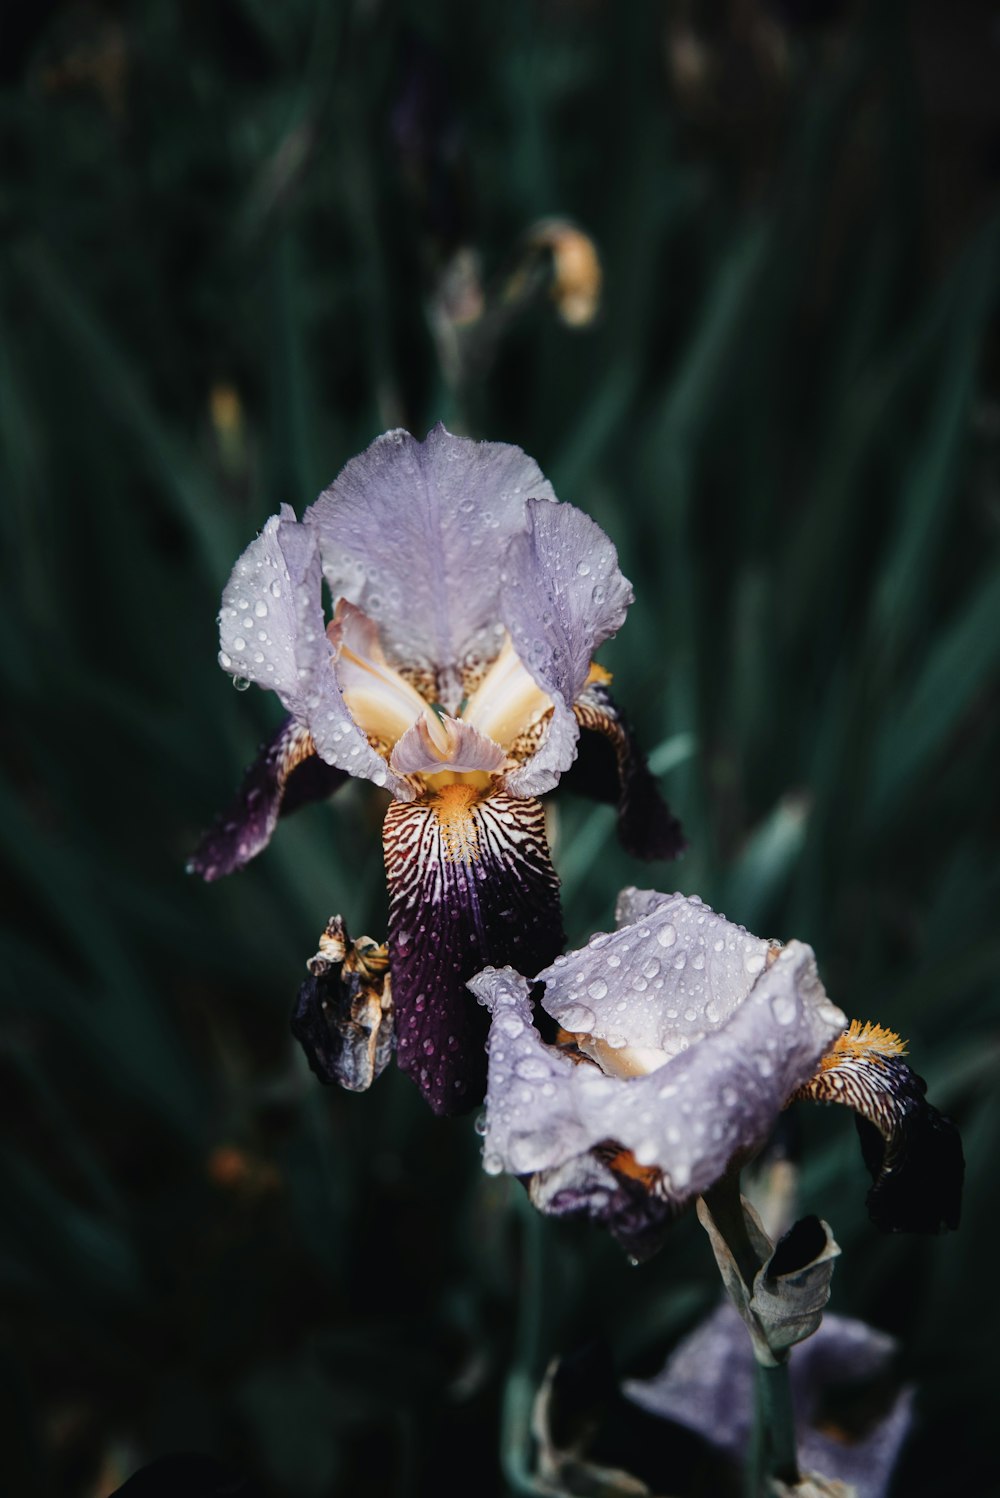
413	533
562	596
272	632
715	1051
286	774
469	884
611	767
707	1386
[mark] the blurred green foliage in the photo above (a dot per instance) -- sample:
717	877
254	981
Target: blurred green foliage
229	233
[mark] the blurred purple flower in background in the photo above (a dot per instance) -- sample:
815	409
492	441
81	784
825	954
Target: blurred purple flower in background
707	1385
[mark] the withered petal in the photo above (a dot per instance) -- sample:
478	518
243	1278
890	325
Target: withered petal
914	1153
470	884
287	774
343	1016
611	767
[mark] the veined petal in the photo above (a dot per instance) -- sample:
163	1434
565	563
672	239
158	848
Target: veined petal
412	532
914	1153
271	632
439	743
286	774
690	1117
562	595
611	767
470	882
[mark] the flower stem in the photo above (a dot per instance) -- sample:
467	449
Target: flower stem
772	1450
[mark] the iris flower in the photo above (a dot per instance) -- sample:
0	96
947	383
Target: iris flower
707	1385
454	669
681	1038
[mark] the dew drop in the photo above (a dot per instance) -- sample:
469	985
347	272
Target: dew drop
784	1008
531	1069
597	989
577	1018
666	936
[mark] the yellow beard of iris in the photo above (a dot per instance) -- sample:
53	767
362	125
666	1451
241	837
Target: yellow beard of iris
455	805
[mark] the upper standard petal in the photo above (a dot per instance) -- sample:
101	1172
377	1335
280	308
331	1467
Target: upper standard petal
562	596
672	973
413	532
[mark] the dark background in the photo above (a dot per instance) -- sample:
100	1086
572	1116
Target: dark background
240	239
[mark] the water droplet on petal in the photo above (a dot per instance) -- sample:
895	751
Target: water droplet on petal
577	1018
666	936
784	1008
531	1068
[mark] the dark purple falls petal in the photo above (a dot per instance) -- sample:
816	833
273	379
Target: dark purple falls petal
471	885
611	767
287	774
913	1153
